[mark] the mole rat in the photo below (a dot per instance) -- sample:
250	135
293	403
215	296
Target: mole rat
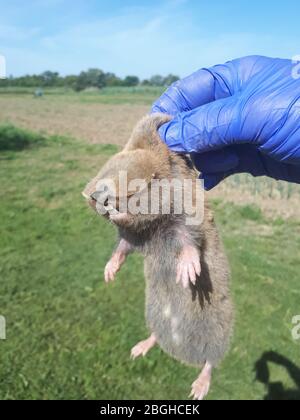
189	311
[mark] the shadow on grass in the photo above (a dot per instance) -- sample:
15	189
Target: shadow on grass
276	390
16	139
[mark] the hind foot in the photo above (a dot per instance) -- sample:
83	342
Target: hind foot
200	387
142	348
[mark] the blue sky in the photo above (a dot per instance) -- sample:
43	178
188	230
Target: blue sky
143	37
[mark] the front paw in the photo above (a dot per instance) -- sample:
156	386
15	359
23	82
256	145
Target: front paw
110	271
188	267
113	266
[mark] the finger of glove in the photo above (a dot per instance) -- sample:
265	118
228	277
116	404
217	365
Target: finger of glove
207	128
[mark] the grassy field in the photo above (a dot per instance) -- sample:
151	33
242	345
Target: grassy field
109	95
69	336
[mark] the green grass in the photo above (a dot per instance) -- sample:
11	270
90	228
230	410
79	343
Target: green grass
122	95
251	212
69	335
23	90
140	95
12	138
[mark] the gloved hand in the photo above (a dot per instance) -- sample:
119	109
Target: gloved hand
243	116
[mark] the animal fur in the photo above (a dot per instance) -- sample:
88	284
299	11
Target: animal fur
192	325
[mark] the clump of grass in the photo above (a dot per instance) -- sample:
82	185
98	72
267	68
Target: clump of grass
251	212
14	139
263	187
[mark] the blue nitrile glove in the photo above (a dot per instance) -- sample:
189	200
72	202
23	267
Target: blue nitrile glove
243	116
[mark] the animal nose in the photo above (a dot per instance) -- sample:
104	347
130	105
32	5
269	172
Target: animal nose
95	196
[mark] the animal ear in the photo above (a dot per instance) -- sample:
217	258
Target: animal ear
145	134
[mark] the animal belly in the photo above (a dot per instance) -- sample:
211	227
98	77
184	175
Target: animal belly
187	327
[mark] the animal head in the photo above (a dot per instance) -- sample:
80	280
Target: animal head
121	190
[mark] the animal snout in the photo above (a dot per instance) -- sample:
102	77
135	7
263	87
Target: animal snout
100	197
95	196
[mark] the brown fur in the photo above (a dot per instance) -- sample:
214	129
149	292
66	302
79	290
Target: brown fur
193	325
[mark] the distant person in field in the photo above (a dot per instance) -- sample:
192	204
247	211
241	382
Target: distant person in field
240	117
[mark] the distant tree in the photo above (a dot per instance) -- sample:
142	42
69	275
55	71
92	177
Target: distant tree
93	77
81	82
111	79
5	82
28	81
171	78
131	81
70	81
157	80
49	78
90	78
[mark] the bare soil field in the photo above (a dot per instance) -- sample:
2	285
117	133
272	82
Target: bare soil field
90	121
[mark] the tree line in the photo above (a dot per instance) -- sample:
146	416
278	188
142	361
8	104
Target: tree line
92	78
